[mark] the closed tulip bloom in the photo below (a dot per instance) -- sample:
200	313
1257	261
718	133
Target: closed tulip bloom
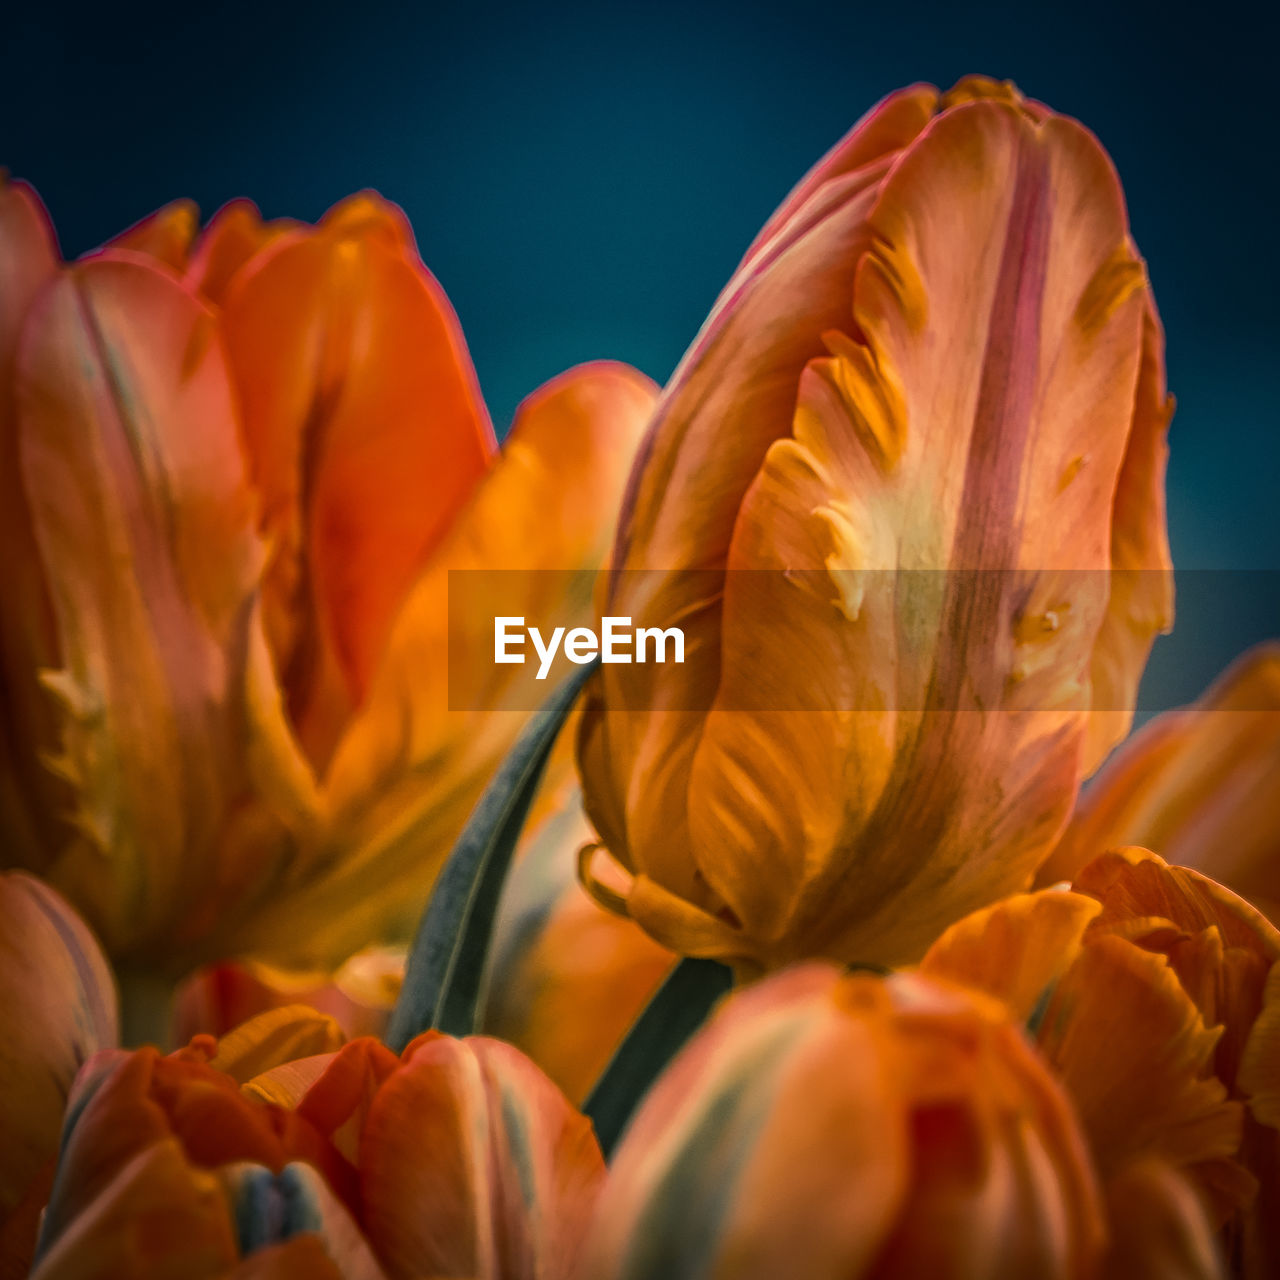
57	1008
1199	785
246	464
831	1126
887	495
267	1150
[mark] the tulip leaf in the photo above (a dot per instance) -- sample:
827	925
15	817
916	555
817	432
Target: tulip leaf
445	972
676	1011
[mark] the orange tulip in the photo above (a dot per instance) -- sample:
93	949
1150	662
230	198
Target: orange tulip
1199	785
848	1126
267	1150
1156	987
57	1007
904	496
568	978
245	466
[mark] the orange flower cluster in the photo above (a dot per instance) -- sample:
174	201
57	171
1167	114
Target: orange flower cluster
904	496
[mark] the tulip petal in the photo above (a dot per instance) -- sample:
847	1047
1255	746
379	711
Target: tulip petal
1136	1058
166	235
57	1006
1140	605
1198	785
1161	1229
31	797
268	1040
138	497
1220	947
233	236
304	1257
367	436
1260	1068
338	1102
1014	950
155	1216
474	1164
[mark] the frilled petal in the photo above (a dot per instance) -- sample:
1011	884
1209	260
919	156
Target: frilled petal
367	436
1220	947
1015	950
473	1163
32	798
138	496
1136	1058
1199	785
57	1007
409	769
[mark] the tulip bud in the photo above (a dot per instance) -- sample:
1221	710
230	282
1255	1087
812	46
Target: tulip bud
828	1126
457	1158
904	496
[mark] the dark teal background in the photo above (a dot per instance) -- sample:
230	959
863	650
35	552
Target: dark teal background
583	179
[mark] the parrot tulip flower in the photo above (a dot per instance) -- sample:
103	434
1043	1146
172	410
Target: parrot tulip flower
243	466
904	496
850	1126
1200	785
1150	985
268	1148
57	1007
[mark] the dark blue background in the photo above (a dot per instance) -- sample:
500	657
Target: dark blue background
583	179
